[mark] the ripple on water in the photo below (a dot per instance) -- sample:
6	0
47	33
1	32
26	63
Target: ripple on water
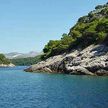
19	89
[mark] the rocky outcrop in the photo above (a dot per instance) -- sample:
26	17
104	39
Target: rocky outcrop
92	60
49	65
90	30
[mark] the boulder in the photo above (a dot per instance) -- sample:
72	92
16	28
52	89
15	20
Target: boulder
79	70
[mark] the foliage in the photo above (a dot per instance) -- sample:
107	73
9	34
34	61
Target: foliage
99	7
57	46
90	29
4	60
26	61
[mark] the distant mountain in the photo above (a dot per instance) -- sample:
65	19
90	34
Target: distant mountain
14	55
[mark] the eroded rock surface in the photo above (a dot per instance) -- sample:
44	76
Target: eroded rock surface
92	60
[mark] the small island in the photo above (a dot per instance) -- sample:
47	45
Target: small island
83	51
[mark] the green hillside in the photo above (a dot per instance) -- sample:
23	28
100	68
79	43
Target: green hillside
26	61
90	29
4	60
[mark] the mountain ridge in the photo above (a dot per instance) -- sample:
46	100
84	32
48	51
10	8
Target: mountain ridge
15	55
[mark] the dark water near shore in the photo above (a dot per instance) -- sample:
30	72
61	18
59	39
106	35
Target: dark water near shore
19	89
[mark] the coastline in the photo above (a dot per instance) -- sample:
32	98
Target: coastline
92	60
7	65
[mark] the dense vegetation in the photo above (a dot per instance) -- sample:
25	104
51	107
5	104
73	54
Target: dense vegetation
90	29
26	61
4	60
55	47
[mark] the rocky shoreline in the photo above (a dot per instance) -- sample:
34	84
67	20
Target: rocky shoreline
92	60
7	65
83	51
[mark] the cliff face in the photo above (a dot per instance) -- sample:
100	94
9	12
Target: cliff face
92	60
83	51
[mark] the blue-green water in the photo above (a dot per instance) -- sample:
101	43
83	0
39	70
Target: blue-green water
19	89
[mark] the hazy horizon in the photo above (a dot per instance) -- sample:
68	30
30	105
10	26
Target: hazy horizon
27	25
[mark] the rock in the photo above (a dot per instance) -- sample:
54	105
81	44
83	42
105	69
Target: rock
7	65
28	69
11	65
92	60
79	70
50	64
102	72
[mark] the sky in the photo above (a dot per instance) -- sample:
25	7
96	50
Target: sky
27	25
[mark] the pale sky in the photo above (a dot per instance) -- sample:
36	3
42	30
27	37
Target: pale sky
27	25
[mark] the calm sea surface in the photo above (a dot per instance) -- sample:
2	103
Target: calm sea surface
19	89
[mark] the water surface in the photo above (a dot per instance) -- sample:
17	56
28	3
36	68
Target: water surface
19	89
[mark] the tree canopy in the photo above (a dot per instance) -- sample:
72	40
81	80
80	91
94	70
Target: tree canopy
90	29
4	60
